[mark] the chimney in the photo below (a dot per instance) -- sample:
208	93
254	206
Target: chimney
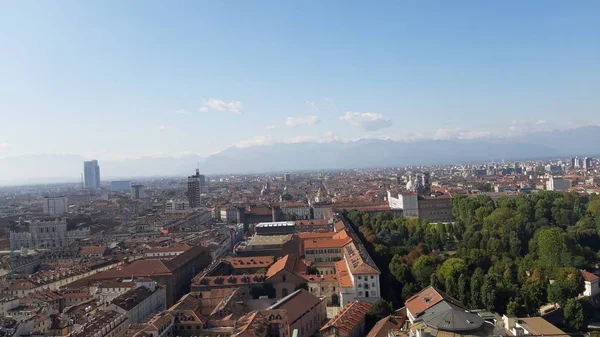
510	321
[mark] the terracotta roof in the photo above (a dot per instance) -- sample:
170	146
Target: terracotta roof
250	262
326	243
290	263
296	304
316	222
315	235
589	276
381	328
349	318
339	225
174	248
427	298
341	234
359	261
342	274
92	250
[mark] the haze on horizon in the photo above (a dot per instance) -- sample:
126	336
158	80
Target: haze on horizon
113	80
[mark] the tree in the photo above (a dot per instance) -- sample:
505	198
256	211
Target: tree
574	315
423	268
434	281
552	248
533	296
409	290
451	287
380	309
463	288
451	268
568	283
476	284
399	269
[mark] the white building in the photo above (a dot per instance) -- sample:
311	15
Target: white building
591	283
140	303
229	214
47	235
407	202
362	280
178	206
296	210
55	205
558	184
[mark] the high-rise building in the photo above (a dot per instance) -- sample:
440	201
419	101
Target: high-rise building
120	186
587	163
194	191
287	177
137	192
55	205
573	162
91	175
203	187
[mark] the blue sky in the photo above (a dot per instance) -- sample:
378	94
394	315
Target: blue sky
119	79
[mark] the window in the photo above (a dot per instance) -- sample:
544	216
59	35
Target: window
283	278
372	277
359	277
366	294
360	293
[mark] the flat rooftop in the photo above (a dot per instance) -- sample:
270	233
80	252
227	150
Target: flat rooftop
268	240
275	224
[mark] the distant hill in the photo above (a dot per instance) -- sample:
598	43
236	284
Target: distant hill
309	156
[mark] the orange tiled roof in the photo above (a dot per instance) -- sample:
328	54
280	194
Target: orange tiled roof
326	243
427	298
342	274
250	262
349	318
589	276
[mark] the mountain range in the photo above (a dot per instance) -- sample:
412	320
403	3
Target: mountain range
280	157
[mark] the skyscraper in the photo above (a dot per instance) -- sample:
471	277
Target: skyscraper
91	174
193	193
203	187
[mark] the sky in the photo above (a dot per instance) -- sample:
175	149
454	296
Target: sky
127	79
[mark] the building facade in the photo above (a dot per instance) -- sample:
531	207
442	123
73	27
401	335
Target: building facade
47	235
55	205
194	192
91	175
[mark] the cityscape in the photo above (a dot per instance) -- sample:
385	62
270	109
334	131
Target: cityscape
299	168
372	252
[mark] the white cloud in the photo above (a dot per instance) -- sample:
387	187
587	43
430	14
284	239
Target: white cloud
270	127
328	137
456	133
326	104
161	127
4	145
217	104
368	121
303	120
541	121
254	141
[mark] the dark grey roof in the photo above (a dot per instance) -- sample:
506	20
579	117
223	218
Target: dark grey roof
449	317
